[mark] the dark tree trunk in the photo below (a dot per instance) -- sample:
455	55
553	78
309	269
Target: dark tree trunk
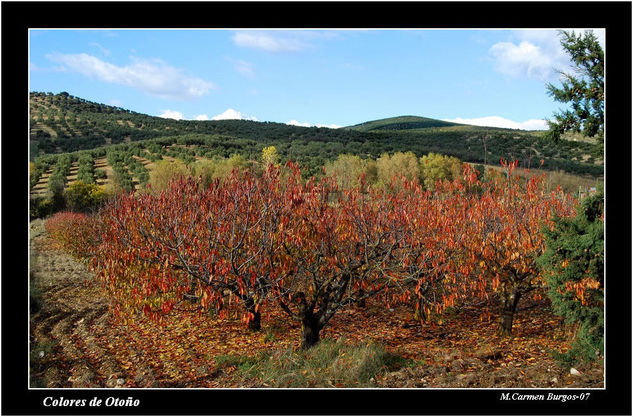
361	299
509	303
256	322
310	329
310	323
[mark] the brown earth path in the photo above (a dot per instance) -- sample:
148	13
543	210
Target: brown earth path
69	313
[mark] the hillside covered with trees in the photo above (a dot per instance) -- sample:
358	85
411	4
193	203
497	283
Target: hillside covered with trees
61	123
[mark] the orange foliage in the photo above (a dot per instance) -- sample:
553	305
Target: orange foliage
76	233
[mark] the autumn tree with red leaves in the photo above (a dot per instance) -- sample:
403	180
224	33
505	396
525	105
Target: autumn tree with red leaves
503	240
430	261
206	244
344	245
312	249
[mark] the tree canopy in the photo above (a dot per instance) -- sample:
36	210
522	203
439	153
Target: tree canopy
583	89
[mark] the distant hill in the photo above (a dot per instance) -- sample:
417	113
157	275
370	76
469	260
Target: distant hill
401	123
61	123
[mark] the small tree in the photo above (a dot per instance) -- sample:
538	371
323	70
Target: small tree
346	170
83	197
503	237
220	168
344	252
77	233
192	242
205	170
164	171
56	186
399	165
573	265
100	174
435	167
270	156
432	247
122	181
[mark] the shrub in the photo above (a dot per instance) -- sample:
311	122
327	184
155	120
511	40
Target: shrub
574	269
219	168
76	233
100	174
40	207
122	180
84	197
270	156
205	170
226	166
85	172
164	171
480	169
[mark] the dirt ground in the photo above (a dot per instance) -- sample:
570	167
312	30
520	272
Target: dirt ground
76	342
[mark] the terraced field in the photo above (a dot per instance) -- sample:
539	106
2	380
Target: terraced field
41	187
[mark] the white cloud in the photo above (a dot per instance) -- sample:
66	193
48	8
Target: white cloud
154	77
497	121
550	37
534	54
522	59
171	114
230	114
202	117
243	67
103	50
294	122
269	41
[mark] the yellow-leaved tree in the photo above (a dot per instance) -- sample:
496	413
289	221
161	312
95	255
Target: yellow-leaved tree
434	167
270	156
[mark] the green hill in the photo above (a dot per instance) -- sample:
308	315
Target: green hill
61	123
400	123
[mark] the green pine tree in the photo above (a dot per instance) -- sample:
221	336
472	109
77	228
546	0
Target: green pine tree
583	89
573	266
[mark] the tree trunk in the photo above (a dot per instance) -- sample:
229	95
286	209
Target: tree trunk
361	301
418	312
310	329
256	322
509	303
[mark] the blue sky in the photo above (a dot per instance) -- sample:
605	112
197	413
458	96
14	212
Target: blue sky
327	78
